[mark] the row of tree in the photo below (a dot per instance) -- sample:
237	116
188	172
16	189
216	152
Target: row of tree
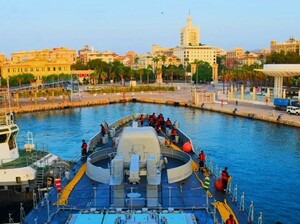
116	71
247	74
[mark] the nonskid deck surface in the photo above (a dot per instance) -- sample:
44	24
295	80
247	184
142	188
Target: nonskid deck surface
187	195
88	195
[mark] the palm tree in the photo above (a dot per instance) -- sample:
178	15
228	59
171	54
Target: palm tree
121	74
155	61
163	59
159	73
112	77
186	62
149	69
136	61
110	67
141	72
94	77
20	81
103	76
171	70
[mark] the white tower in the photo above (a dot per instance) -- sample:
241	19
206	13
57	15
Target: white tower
189	35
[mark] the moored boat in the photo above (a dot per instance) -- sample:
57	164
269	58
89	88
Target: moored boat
137	174
22	171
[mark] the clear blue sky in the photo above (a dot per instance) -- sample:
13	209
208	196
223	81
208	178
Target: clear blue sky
121	26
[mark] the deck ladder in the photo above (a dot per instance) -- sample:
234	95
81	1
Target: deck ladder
40	172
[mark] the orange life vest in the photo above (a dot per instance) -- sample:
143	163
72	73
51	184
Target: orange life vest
174	132
201	157
224	175
168	123
230	221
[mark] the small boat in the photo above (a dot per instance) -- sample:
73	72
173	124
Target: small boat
135	173
22	171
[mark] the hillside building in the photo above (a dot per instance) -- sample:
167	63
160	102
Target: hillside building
291	45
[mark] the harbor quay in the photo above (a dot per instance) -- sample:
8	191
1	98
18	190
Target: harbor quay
184	95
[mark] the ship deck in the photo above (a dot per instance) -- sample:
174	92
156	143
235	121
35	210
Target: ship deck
25	159
90	201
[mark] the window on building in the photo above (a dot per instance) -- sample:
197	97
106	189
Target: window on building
25	69
48	68
8	70
54	69
37	69
31	69
43	69
59	68
65	68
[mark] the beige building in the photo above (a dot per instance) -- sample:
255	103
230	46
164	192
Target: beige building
144	60
237	58
2	58
188	54
291	45
39	63
190	48
189	35
54	54
86	54
158	51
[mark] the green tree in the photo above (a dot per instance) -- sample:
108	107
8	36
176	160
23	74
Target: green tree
155	62
203	72
103	76
141	72
283	58
79	66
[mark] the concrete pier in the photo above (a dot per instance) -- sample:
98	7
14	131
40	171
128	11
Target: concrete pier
180	97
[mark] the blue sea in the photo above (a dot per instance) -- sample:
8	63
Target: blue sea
263	158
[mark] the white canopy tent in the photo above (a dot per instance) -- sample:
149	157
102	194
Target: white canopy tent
280	71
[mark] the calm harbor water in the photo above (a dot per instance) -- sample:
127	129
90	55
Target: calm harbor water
263	158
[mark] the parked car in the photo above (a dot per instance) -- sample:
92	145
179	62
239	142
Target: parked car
293	110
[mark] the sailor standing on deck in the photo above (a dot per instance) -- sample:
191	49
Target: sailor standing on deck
142	119
201	159
225	177
103	130
174	133
83	149
230	220
168	123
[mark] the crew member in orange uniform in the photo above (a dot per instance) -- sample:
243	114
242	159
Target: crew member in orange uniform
225	177
201	159
168	123
174	133
230	220
142	119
